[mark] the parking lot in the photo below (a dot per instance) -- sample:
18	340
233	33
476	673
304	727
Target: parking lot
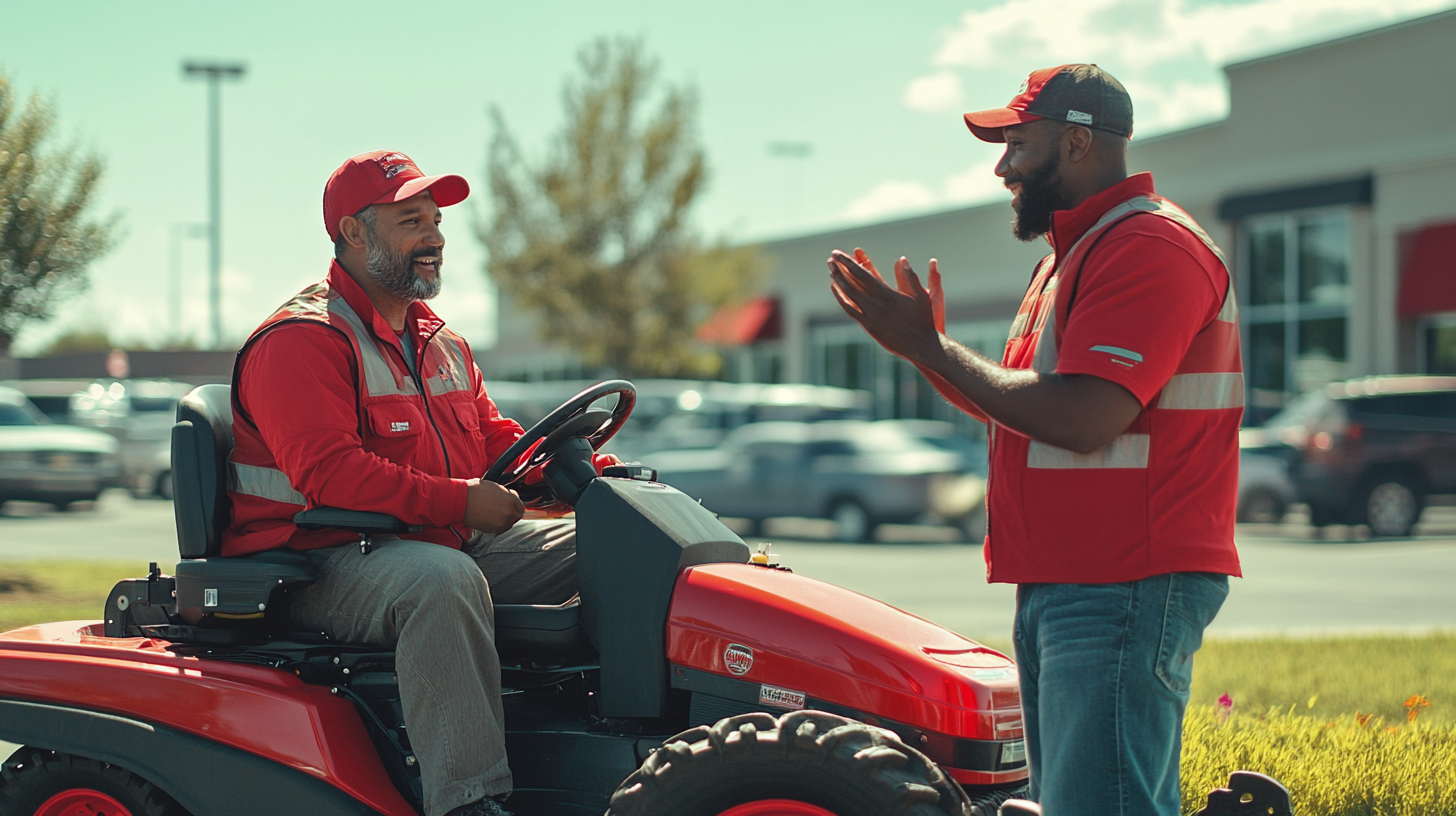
1293	582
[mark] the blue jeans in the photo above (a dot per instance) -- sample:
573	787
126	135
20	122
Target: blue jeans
1105	671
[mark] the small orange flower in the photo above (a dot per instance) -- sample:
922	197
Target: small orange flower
1363	719
1413	706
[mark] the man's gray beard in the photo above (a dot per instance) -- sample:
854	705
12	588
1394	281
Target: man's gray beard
395	271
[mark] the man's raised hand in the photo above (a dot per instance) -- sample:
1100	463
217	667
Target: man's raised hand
906	321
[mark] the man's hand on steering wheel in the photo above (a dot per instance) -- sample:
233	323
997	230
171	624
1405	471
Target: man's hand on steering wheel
519	467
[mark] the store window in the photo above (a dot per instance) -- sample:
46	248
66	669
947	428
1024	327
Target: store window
1295	287
1439	344
843	355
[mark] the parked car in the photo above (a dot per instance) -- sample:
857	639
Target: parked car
856	473
140	414
50	397
1265	491
40	461
681	414
1368	451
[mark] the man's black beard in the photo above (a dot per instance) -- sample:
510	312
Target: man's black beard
395	271
1041	194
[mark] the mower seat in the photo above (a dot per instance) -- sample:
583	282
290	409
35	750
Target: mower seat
242	587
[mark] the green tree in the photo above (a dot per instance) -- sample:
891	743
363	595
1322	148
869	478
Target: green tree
595	238
47	238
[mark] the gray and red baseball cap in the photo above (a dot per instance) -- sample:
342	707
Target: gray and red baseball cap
383	177
1080	94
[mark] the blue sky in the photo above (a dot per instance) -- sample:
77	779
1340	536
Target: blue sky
876	88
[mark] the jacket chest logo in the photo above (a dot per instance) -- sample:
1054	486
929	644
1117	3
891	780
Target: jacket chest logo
399	427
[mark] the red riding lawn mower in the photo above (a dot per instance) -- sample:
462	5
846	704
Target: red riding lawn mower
691	678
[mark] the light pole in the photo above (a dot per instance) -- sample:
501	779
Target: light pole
179	231
214	73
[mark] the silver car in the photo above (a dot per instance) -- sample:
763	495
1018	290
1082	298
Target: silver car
51	463
857	474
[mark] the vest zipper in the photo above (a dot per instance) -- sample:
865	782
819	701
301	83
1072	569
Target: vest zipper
430	415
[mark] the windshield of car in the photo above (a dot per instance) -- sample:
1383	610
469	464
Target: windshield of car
13	414
1302	412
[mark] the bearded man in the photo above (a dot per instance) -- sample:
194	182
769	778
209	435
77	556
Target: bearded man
353	394
1113	419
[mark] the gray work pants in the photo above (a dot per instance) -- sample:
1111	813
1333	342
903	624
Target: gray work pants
432	605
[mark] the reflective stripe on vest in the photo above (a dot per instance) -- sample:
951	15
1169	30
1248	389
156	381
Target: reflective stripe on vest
381	378
1184	391
265	483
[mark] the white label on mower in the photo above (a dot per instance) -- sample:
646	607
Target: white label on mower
209	597
738	658
1013	752
781	697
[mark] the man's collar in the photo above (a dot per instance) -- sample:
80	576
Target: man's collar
419	316
1070	225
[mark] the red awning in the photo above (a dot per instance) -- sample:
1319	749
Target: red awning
741	325
1428	279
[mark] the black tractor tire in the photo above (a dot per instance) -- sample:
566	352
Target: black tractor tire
32	777
812	758
1390	504
1261	506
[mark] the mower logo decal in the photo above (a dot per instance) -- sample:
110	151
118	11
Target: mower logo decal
738	658
781	697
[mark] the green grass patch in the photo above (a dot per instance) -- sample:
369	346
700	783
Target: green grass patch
1367	674
1328	718
39	591
1346	766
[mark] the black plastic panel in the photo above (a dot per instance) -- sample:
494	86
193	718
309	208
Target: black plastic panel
632	540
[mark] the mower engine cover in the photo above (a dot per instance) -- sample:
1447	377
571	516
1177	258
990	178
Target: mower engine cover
759	638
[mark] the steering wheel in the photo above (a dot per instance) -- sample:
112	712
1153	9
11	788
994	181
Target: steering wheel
575	418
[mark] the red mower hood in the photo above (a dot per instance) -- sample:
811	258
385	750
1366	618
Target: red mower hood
829	644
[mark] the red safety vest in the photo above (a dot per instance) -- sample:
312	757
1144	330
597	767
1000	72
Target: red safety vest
395	419
1124	527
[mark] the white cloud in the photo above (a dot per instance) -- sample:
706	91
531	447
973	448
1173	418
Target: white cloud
1145	33
889	197
1167	52
936	93
977	183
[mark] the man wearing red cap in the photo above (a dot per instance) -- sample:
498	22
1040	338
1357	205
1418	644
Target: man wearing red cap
1113	420
353	394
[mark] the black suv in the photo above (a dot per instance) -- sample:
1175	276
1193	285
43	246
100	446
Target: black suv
1369	451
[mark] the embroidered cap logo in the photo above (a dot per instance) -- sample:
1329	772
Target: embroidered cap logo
394	163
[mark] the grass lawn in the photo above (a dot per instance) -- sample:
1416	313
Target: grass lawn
39	591
1325	716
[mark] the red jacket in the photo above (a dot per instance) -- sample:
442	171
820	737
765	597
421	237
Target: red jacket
326	413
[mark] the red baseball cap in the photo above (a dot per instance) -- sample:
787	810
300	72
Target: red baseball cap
382	177
1081	94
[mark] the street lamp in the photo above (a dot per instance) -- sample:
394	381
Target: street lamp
214	73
